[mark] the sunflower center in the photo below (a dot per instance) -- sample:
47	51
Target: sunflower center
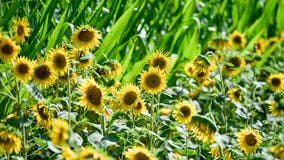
201	74
235	61
275	81
22	69
237	94
185	110
6	140
86	36
7	49
237	39
94	95
130	97
89	156
141	156
20	30
250	139
153	81
41	111
60	61
159	62
42	72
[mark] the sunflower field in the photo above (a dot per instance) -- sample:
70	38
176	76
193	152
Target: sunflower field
142	79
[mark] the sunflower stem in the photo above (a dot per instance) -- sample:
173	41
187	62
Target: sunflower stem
220	72
22	116
186	145
8	156
69	97
103	124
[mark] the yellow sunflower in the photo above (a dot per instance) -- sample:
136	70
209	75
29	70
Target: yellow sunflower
259	46
93	95
64	78
238	39
189	69
44	75
138	153
160	60
248	140
9	142
165	111
235	94
68	154
86	38
275	108
60	132
202	129
8	50
23	69
139	107
215	152
234	65
271	41
59	60
128	97
43	116
21	28
184	112
221	44
201	75
277	151
83	58
115	69
275	82
91	154
153	81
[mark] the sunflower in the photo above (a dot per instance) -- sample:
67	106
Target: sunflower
202	129
277	151
138	153
8	50
23	69
68	154
86	38
235	94
115	69
60	132
215	152
42	114
44	75
59	60
221	44
259	46
248	140
233	66
22	29
165	111
238	39
184	112
275	82
93	95
201	75
160	60
64	78
275	108
139	107
271	41
9	142
84	58
128	97
189	69
153	81
91	154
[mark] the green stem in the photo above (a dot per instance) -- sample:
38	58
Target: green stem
22	115
103	124
69	98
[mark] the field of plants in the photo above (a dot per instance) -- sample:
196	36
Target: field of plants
142	79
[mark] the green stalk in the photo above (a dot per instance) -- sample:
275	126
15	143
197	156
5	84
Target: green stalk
69	98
